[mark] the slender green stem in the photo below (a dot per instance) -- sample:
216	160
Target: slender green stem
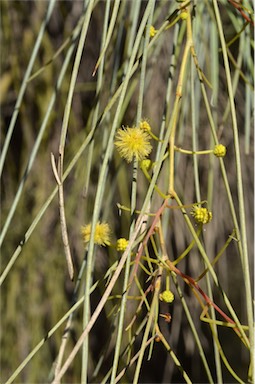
133	204
188	152
173	356
24	84
152	315
126	279
86	309
245	257
193	329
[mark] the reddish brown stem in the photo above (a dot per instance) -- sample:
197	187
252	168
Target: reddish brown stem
237	6
145	241
190	281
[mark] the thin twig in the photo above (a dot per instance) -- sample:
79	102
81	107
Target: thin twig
58	176
134	358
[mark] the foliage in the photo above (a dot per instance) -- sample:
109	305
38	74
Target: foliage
127	185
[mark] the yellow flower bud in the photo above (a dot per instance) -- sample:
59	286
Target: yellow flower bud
122	244
201	215
220	150
184	15
145	126
153	31
146	164
167	296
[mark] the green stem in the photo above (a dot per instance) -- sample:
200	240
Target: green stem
186	151
193	328
86	305
24	84
245	257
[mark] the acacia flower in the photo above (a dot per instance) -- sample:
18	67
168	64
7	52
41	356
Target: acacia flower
220	150
201	215
167	296
122	244
133	142
153	31
102	233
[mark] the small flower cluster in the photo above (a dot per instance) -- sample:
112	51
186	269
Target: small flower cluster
201	215
166	296
134	142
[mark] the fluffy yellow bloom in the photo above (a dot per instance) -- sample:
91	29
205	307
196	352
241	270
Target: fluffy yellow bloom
220	150
133	142
201	215
167	296
122	244
102	233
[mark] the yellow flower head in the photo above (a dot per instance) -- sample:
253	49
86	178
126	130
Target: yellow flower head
201	215
153	31
102	233
220	150
122	244
145	125
133	142
167	296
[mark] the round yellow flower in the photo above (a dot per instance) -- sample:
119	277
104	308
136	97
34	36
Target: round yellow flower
220	150
133	142
167	296
102	233
201	215
122	244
